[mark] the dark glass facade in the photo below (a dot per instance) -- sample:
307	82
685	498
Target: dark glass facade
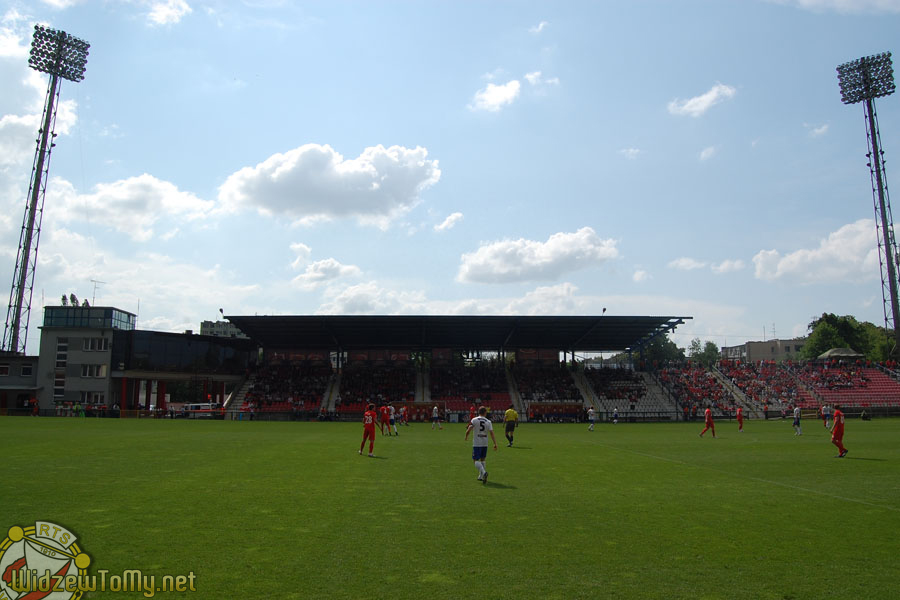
172	352
95	317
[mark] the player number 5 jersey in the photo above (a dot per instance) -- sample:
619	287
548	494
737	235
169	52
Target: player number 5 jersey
481	428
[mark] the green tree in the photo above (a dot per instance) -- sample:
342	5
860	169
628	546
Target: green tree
705	354
880	342
660	350
823	337
848	328
695	349
710	354
831	331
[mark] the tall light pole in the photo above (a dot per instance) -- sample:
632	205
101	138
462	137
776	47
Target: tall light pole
60	55
863	80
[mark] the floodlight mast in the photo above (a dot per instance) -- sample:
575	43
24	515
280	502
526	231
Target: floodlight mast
60	55
863	80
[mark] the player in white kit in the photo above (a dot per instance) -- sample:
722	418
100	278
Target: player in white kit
482	427
392	421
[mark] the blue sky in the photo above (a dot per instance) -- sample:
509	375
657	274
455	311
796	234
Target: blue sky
684	158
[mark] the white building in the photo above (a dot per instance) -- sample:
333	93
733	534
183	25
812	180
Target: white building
221	329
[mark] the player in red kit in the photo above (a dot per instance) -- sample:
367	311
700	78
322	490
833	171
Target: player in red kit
473	412
837	431
369	429
740	419
709	423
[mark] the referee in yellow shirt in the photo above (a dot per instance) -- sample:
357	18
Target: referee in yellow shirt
511	419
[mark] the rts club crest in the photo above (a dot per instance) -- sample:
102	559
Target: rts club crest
42	562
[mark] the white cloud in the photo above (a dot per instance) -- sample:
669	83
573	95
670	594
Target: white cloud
848	255
690	264
369	298
845	6
303	253
707	153
539	82
313	183
12	43
711	320
698	105
132	206
62	4
159	284
449	222
17	135
535	78
24	89
168	12
528	260
324	271
494	97
817	131
728	266
640	276
495	74
686	264
630	153
110	131
550	300
539	27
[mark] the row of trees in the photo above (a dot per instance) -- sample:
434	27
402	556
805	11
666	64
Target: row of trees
831	331
73	299
826	332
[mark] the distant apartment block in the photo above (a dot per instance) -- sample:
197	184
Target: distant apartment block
776	350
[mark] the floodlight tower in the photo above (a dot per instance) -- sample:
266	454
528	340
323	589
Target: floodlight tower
60	55
863	80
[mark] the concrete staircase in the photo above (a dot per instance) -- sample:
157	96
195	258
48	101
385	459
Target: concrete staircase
753	411
235	403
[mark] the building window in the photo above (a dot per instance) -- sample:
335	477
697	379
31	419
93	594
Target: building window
95	344
93	370
26	370
4	370
59	385
93	398
62	352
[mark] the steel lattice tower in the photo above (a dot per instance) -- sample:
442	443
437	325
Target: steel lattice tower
60	55
863	80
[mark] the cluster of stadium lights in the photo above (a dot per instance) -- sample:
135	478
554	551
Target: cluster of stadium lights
866	78
58	53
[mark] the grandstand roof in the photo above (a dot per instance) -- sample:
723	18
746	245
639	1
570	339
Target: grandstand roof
586	334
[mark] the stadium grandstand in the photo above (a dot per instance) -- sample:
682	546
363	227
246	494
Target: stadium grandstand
331	367
456	363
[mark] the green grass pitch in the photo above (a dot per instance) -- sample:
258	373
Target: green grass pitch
290	510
